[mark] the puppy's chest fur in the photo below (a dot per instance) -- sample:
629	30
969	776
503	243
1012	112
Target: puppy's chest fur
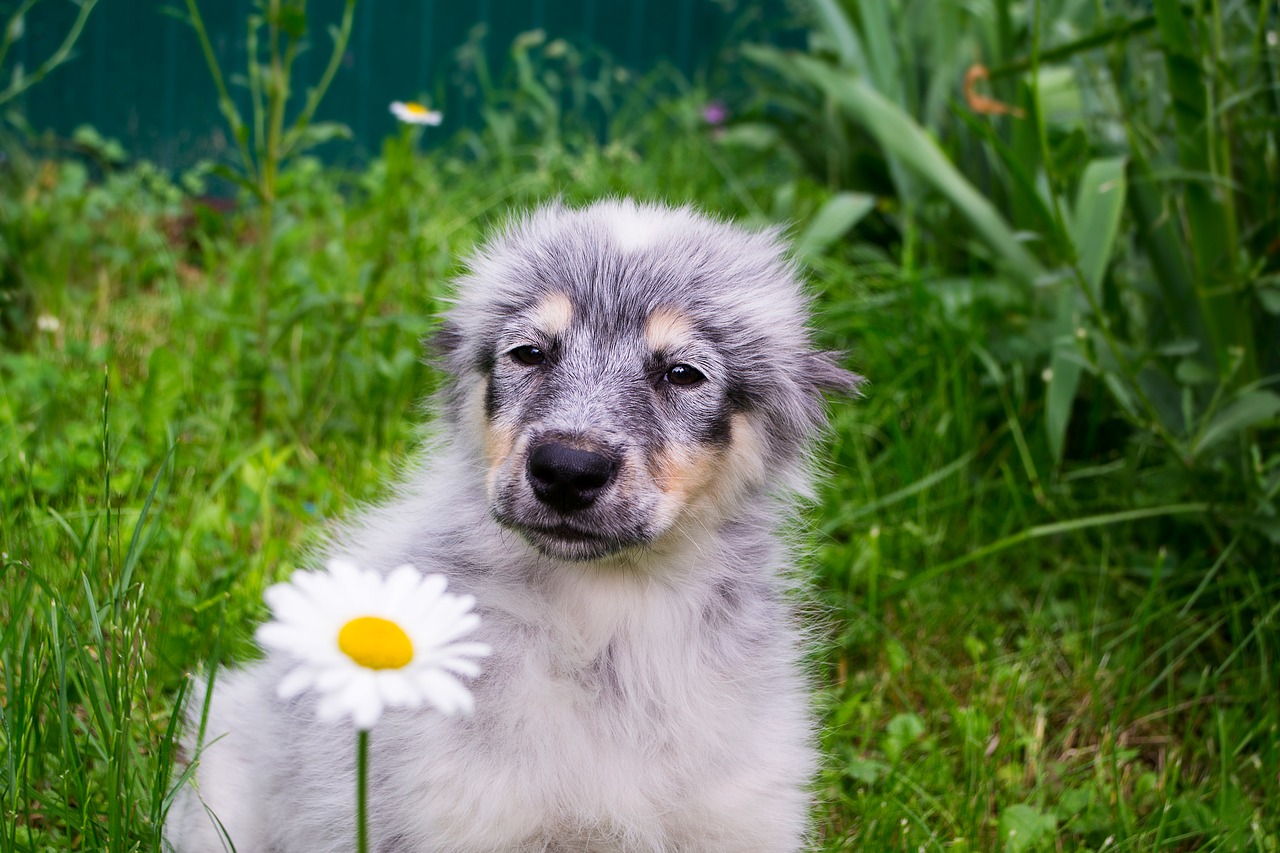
618	709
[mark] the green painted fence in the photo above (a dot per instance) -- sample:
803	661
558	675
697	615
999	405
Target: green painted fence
138	76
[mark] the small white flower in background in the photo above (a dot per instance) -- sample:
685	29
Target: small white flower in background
415	113
47	323
367	642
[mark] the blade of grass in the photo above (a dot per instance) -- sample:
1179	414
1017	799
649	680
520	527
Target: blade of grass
1210	220
1040	531
833	220
1157	232
843	36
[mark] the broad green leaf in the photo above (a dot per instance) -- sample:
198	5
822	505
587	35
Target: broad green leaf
1025	827
1058	96
884	72
1064	381
1269	296
902	137
840	29
841	212
1248	409
901	732
1099	202
885	67
866	770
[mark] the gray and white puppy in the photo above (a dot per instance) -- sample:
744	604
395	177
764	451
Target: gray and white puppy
633	391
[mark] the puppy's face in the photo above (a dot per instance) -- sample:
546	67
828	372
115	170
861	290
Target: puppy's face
621	389
603	428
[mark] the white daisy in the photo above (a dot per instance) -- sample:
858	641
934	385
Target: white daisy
368	642
415	113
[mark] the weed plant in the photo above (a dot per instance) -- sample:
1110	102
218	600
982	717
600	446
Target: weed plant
1038	635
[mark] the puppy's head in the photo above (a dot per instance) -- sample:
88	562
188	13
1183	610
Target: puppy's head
625	370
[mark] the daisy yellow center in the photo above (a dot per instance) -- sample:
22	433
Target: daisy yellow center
416	108
375	643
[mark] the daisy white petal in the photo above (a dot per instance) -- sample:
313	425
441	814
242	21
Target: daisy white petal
445	692
295	682
414	113
397	690
286	638
362	642
459	666
401	582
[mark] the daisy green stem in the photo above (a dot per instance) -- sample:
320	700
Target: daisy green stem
362	791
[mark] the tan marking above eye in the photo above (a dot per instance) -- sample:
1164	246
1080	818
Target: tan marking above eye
553	314
667	330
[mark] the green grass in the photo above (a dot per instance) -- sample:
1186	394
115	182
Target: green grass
1050	621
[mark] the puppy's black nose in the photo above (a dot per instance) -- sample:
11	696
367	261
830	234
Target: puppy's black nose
567	478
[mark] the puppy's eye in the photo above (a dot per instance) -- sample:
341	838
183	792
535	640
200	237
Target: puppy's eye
529	354
684	374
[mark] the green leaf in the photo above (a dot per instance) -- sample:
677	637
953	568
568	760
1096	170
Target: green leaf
1100	200
292	21
1025	827
1269	296
754	136
838	27
900	136
1064	381
841	212
228	174
300	139
866	770
1248	409
902	731
885	65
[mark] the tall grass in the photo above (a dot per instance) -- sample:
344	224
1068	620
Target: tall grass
1051	617
1105	416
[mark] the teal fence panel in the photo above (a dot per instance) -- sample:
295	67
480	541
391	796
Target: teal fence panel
138	76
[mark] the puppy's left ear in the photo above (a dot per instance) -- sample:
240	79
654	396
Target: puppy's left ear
825	375
442	342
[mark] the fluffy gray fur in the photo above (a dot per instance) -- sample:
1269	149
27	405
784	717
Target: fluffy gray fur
645	691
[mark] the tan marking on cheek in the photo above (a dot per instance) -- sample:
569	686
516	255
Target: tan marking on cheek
496	438
553	314
498	441
712	477
682	474
745	460
667	330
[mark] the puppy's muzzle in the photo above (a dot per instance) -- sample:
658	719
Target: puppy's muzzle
566	478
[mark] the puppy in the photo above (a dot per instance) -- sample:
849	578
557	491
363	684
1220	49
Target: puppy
632	393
